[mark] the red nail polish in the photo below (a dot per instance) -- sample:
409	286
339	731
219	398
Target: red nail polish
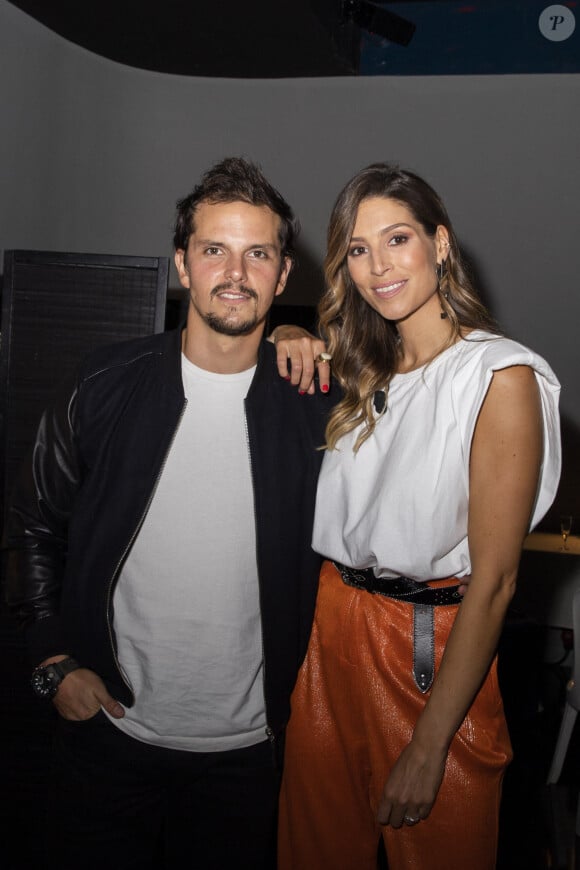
324	388
287	377
301	392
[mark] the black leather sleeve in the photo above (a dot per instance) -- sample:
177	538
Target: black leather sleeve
35	535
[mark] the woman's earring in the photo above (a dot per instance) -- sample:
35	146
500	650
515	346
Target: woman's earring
441	271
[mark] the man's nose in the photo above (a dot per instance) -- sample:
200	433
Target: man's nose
235	268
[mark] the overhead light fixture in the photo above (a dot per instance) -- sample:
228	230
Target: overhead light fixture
379	21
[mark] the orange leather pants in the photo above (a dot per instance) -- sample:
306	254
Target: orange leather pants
353	711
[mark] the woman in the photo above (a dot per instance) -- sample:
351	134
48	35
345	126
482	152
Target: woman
442	453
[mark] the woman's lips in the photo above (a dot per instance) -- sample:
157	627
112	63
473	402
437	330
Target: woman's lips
385	291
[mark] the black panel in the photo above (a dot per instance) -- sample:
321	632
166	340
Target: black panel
56	308
250	39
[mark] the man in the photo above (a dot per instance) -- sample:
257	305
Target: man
160	559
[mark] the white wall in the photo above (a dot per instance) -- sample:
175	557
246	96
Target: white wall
93	156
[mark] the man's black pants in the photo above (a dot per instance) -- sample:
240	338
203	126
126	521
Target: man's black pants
117	802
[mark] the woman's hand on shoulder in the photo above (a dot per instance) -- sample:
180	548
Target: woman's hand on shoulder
299	354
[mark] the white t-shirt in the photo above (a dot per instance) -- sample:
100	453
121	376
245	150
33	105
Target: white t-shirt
400	504
186	605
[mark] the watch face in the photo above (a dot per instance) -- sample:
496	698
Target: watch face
44	682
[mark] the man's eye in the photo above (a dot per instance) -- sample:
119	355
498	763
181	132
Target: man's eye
259	254
212	251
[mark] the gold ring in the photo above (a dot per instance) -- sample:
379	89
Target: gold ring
324	357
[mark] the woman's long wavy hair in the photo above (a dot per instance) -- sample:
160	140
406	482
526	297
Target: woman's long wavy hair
365	347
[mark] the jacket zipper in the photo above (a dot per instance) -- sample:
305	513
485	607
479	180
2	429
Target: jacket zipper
269	732
130	544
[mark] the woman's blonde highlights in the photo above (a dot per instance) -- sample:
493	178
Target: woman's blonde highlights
365	347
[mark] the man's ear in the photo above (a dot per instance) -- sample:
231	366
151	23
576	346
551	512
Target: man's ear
181	266
284	274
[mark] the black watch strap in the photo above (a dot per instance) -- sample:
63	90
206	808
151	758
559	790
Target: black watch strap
65	667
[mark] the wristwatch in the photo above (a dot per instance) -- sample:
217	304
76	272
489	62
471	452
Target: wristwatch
47	678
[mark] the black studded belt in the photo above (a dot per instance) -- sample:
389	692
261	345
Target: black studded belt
423	598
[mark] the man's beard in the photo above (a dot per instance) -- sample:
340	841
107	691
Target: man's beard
222	324
224	327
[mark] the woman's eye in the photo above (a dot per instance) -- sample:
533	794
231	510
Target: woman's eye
398	240
356	251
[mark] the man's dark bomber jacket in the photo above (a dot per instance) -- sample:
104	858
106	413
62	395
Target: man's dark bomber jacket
79	504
